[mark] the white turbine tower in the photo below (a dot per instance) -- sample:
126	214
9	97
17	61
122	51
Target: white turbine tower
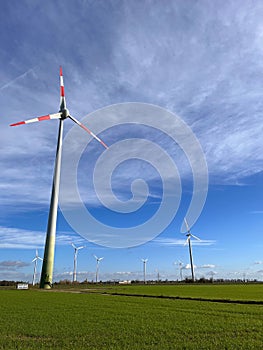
98	260
181	265
63	114
144	261
76	250
188	240
37	257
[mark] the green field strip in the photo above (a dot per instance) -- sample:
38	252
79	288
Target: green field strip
236	301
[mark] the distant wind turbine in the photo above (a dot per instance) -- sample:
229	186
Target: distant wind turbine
144	269
63	113
158	275
188	240
76	250
98	260
181	265
212	273
37	257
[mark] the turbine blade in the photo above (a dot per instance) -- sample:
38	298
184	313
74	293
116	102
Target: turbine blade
38	119
95	257
62	90
88	130
187	240
186	225
195	237
34	259
39	258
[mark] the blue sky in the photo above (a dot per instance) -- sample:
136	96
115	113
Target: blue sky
203	62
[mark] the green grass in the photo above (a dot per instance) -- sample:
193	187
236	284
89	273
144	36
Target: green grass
63	320
249	292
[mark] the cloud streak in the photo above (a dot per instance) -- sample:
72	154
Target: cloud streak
17	238
170	242
12	265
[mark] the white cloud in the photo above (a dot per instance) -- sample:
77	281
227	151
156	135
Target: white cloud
16	238
207	266
12	265
173	242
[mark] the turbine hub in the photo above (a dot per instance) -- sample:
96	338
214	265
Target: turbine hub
64	113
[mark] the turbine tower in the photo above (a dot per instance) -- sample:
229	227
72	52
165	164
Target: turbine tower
48	262
37	257
97	267
144	269
181	265
188	240
158	275
76	250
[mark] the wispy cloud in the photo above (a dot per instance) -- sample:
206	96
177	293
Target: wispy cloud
207	266
16	238
16	79
12	265
179	242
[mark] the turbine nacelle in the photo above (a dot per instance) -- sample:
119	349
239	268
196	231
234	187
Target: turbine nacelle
64	113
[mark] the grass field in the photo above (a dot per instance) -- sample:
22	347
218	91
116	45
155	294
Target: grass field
37	319
234	292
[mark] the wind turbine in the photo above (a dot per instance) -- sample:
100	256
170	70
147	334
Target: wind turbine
212	273
144	269
181	265
97	266
188	240
158	275
48	262
76	250
35	267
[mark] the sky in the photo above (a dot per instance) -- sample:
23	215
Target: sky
175	91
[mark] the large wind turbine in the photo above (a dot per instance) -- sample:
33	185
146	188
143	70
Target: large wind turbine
144	269
188	240
37	257
76	250
48	262
97	267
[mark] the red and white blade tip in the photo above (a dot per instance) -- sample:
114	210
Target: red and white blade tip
38	119
89	131
62	90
